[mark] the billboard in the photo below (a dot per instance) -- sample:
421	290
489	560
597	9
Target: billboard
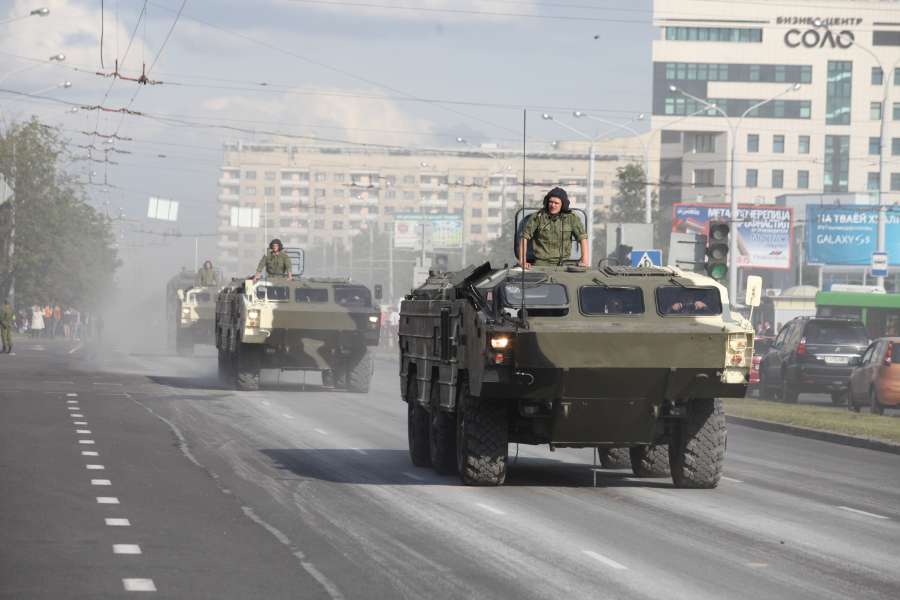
439	231
848	235
162	209
765	234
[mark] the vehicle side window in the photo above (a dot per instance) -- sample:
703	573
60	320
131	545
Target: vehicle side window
311	295
685	301
867	356
782	336
605	300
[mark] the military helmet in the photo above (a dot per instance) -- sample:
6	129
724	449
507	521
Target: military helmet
276	241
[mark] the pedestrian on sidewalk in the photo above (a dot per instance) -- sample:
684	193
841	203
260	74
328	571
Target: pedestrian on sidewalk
7	316
37	321
57	320
48	320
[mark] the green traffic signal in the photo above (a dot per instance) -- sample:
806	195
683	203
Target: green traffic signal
717	250
717	271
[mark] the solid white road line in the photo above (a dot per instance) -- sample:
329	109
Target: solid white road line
862	512
106	383
731	479
101	482
126	549
138	585
112	522
321	431
83	431
412	476
94	467
89	453
757	565
606	561
107	500
489	508
86	442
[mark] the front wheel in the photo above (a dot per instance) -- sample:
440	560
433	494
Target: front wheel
359	376
697	450
417	426
247	367
650	461
614	458
482	440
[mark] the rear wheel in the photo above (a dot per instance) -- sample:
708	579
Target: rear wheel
360	374
614	458
482	440
417	426
650	461
876	407
697	450
442	435
247	367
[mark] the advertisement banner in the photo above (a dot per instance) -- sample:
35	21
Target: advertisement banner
848	235
438	231
764	233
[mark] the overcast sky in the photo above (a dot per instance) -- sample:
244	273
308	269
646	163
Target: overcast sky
343	69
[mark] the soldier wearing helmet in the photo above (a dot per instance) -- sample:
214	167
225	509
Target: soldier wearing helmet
276	263
551	231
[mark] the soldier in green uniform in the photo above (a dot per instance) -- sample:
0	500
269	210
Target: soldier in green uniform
551	231
207	276
6	324
275	262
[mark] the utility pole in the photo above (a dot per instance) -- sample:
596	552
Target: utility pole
391	266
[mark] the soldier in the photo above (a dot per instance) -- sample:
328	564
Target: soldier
551	231
275	262
6	325
207	276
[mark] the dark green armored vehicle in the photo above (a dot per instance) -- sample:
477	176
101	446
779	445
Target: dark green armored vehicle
307	324
613	357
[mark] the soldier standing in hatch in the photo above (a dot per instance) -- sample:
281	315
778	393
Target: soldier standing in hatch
207	276
6	324
551	231
275	262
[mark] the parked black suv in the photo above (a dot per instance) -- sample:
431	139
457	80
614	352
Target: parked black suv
812	354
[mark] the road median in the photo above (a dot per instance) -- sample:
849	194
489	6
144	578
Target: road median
822	423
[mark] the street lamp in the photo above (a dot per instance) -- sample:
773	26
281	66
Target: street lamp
55	58
648	198
61	85
733	127
37	12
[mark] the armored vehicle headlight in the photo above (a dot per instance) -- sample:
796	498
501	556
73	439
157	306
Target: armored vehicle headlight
252	318
737	342
185	311
373	319
500	342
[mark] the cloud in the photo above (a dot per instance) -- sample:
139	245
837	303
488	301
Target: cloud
422	10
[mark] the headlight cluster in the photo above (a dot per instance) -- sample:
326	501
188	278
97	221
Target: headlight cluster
253	318
373	319
739	350
186	312
500	342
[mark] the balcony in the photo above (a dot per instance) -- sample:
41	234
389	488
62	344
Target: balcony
227	181
292	184
433	203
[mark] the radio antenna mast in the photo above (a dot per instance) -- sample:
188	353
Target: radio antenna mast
524	258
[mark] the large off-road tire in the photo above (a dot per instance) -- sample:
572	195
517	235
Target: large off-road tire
247	367
650	461
417	426
359	375
875	406
442	435
328	378
697	449
482	440
224	365
613	458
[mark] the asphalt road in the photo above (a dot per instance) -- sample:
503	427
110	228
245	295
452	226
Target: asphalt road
297	492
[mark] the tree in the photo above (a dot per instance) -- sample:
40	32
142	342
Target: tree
628	204
498	251
63	249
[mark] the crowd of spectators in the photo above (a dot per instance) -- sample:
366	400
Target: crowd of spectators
54	321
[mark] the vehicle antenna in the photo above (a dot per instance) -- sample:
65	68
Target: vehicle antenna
524	259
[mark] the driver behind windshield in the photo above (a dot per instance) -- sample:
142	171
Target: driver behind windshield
691	304
551	231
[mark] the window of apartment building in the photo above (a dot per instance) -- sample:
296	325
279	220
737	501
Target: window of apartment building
837	163
777	178
714	34
477	181
704	177
778	144
873	181
477	196
874	146
389	210
839	90
877	76
895	182
285	222
704	143
356	210
409	195
802	180
269	191
753	142
493	212
459	196
409	179
339	193
337	225
320	193
249	174
337	209
476	212
321	177
896	111
390	180
339	177
475	228
803	145
270	175
752	178
875	111
250	190
390	194
897	76
319	224
895	146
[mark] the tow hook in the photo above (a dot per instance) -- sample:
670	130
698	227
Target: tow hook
525	378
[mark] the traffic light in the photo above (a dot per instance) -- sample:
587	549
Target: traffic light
717	250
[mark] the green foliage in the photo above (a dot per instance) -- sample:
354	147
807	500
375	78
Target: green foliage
63	250
628	204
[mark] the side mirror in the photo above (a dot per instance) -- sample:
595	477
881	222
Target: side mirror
180	294
754	291
378	291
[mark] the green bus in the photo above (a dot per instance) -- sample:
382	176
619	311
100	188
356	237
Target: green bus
879	311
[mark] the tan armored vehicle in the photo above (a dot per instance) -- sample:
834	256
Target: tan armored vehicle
190	312
613	357
308	324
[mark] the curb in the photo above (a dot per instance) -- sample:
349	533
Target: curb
817	434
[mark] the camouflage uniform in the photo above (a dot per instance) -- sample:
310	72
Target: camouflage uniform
275	265
551	236
207	277
6	325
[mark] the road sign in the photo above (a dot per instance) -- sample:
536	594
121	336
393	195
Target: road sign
879	264
646	258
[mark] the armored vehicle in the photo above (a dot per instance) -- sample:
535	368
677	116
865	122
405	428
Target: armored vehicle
190	312
304	324
612	357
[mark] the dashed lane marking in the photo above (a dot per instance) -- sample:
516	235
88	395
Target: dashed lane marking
77	416
731	479
320	431
490	508
107	383
113	522
76	349
605	560
71	401
86	442
139	585
94	467
71	394
90	453
83	431
126	549
72	408
79	422
101	482
757	565
107	500
412	476
862	512
360	451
